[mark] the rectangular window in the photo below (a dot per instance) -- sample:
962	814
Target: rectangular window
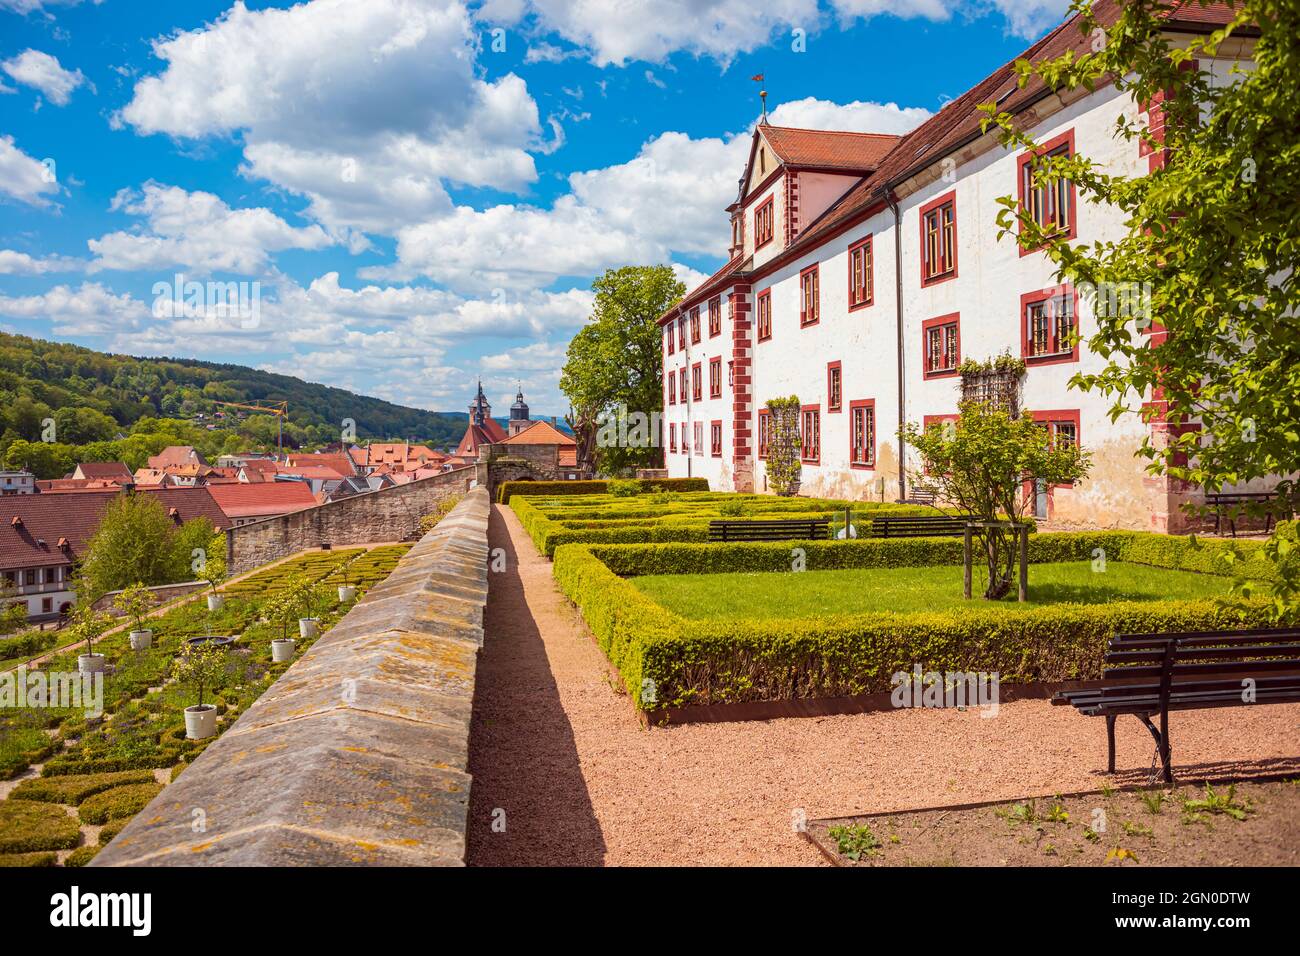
695	325
834	387
764	432
810	434
765	315
681	384
942	345
672	438
860	275
715	438
698	438
1048	325
697	382
715	316
47	605
686	444
764	223
681	331
672	389
715	378
1063	427
668	337
30	578
809	297
862	433
939	239
1051	205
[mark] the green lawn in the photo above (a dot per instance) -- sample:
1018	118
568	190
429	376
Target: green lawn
810	593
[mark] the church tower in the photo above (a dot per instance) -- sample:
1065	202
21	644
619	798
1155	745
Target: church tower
479	409
519	414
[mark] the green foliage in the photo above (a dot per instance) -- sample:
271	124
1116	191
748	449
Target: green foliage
27	826
13	611
855	841
625	487
74	788
27	643
81	856
980	463
202	667
440	510
784	450
28	859
87	625
135	602
119	802
1210	245
137	543
113	827
509	489
616	360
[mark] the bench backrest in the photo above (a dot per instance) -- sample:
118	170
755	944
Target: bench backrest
1202	660
780	529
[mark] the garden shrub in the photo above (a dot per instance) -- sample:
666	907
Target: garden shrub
81	856
29	825
1192	553
111	829
27	644
28	859
624	487
595	487
119	802
75	788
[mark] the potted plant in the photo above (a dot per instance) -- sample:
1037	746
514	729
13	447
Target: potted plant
302	593
201	667
135	602
87	624
347	591
214	573
281	611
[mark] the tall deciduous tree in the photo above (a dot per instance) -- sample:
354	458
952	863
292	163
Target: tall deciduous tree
1210	249
136	543
615	363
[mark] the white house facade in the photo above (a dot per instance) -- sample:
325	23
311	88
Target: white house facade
864	269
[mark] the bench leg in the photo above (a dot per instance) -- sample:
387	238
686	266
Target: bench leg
1110	743
1162	744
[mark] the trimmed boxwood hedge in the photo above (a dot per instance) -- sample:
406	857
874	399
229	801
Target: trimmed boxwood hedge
595	487
81	855
111	829
28	859
30	825
119	802
75	788
690	662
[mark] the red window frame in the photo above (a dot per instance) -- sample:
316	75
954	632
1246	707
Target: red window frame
681	385
862	285
715	316
672	437
681	332
672	388
715	377
765	222
764	315
935	208
764	432
862	407
695	325
810	295
1050	351
951	343
834	387
1035	200
810	446
697	382
715	437
672	342
1053	419
697	438
686	448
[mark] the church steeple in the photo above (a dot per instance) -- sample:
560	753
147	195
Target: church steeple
479	409
519	414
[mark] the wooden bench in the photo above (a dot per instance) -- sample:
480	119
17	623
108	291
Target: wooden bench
920	498
919	526
1234	501
783	529
1153	674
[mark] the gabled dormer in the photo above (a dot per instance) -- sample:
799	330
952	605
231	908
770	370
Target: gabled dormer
792	176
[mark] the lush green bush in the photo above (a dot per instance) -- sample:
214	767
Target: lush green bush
81	856
125	801
29	825
712	662
27	643
598	487
74	788
625	487
1192	553
111	829
28	859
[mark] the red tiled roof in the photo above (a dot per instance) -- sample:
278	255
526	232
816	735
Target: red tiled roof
65	486
174	456
75	517
718	280
340	463
104	469
539	433
828	149
264	499
319	472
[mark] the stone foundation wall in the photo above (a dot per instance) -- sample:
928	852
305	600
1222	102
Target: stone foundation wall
392	514
358	754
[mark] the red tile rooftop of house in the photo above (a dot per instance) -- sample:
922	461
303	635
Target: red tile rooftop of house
263	498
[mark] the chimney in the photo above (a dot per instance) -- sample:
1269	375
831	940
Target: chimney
554	424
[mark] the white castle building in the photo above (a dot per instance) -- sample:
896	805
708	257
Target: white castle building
864	268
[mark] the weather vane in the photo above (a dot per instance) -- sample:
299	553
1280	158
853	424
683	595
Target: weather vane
762	95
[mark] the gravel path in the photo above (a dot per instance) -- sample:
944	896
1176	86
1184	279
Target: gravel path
558	753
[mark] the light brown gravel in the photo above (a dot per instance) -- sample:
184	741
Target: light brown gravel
557	748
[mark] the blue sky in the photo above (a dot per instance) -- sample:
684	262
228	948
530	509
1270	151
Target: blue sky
422	190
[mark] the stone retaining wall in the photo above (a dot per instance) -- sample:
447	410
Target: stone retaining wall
391	514
358	754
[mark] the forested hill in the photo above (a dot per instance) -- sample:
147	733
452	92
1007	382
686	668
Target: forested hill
96	397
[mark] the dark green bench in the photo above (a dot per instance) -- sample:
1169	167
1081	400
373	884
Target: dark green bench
782	529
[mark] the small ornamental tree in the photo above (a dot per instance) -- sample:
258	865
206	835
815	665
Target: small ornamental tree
784	451
282	611
135	602
202	667
13	610
210	563
87	624
981	463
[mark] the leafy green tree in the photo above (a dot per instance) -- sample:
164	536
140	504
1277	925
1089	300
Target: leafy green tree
1210	249
136	542
13	610
615	362
981	462
202	667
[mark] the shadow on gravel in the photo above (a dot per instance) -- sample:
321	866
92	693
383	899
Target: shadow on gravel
521	752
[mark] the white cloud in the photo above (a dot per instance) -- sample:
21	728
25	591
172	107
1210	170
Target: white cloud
90	309
364	106
24	178
198	231
21	264
30	6
1032	18
857	117
43	72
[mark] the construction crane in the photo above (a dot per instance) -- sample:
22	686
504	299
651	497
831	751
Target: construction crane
279	409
